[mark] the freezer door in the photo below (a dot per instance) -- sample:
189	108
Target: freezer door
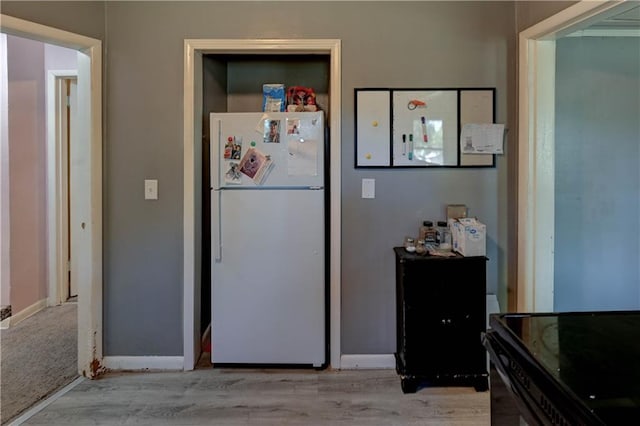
293	142
268	285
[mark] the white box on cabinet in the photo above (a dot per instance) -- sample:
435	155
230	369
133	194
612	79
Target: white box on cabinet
469	237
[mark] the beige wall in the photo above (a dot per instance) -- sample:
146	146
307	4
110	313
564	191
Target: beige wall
27	171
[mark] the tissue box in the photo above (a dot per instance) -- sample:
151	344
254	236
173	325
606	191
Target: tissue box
469	237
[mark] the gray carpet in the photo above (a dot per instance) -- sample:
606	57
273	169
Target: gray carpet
38	356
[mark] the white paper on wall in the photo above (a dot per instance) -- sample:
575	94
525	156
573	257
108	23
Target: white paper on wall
482	139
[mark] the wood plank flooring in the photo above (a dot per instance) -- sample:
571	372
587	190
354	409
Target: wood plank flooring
262	397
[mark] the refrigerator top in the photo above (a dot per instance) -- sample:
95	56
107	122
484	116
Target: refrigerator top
267	150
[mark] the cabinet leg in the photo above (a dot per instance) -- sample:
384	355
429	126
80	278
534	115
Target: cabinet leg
481	384
408	385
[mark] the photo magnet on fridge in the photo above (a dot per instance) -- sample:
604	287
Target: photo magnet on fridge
293	126
271	131
233	175
233	148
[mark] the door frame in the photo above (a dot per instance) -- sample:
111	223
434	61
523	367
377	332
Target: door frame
5	261
90	208
57	193
193	51
536	149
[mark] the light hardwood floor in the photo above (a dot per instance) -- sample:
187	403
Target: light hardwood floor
262	397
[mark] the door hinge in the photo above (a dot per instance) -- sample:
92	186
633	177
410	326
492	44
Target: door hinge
68	266
68	101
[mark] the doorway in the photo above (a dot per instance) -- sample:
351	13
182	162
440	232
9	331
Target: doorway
86	185
536	125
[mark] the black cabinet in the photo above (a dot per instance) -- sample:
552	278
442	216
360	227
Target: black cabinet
440	317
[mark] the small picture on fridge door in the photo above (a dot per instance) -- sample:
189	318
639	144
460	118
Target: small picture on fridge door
228	148
293	126
271	131
233	148
237	148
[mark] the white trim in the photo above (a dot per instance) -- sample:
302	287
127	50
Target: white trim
143	363
602	32
5	206
18	317
193	48
45	403
534	288
368	362
90	83
31	30
574	18
188	268
56	189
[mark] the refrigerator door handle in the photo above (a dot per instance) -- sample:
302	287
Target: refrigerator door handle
214	147
216	226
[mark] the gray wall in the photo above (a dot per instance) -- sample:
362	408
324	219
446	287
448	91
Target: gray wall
412	44
145	129
597	199
81	17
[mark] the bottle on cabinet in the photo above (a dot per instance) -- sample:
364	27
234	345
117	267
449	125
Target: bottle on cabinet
427	232
409	244
443	236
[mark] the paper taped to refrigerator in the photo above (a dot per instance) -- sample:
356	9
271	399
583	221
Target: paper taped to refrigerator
303	157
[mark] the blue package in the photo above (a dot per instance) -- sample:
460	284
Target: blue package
273	98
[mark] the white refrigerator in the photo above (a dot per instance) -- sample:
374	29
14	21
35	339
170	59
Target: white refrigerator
267	238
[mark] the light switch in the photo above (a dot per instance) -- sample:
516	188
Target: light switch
150	189
368	188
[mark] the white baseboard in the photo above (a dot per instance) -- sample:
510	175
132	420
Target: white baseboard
367	362
23	314
143	363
